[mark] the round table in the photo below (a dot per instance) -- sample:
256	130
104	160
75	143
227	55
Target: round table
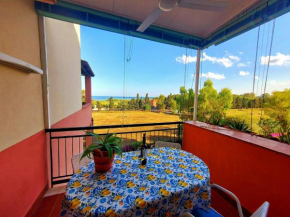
172	182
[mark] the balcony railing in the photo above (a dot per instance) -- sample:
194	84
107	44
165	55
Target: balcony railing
66	142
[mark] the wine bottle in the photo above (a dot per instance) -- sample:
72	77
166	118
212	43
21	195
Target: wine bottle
143	151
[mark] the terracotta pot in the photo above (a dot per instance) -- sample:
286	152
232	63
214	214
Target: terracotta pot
102	161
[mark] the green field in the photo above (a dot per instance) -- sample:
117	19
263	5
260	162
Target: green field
245	114
136	117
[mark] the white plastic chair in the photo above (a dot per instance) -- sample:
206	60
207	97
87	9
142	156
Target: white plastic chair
262	211
160	144
77	164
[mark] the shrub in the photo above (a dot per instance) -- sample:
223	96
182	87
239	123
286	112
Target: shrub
267	126
236	124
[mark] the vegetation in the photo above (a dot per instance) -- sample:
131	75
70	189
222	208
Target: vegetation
265	114
111	143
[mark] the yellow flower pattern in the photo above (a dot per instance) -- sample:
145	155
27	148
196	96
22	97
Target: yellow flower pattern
173	181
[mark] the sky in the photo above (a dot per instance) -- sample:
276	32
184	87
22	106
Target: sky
157	68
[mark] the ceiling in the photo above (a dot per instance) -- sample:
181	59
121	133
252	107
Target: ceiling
193	22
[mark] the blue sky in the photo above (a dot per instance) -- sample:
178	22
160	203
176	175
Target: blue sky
157	68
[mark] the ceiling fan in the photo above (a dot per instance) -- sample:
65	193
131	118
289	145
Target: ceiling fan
168	5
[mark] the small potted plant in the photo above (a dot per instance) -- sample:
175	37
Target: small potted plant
103	151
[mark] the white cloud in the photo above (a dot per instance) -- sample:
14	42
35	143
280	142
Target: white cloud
235	58
225	61
276	60
256	77
222	61
278	83
241	52
213	75
244	73
244	64
185	59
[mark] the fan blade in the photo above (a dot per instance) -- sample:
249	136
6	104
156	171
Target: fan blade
150	19
207	5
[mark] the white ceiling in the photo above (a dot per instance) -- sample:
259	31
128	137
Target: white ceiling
193	22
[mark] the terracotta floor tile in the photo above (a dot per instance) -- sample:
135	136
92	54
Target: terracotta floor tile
59	200
47	202
42	213
56	211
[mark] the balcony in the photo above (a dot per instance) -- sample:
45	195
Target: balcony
254	168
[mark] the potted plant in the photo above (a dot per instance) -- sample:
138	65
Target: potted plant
103	151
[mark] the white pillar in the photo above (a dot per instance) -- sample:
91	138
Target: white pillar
44	66
196	85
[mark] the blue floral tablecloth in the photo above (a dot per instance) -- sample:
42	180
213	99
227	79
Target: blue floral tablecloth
172	182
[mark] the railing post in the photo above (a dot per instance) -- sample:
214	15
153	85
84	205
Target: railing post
51	164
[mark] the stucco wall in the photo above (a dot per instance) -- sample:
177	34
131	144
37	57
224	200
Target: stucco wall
254	172
21	106
64	68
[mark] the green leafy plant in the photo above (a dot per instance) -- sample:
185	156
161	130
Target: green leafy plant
284	135
236	124
111	143
267	126
216	118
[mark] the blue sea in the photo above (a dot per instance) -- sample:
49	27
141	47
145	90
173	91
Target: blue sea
103	98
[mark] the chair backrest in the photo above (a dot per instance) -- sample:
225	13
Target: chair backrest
159	144
262	211
77	164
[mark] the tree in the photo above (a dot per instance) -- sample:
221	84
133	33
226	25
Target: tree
94	104
111	103
141	104
207	100
190	100
173	105
147	107
225	98
147	100
132	104
99	105
83	96
239	101
160	103
279	105
137	101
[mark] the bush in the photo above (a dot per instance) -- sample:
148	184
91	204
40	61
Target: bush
267	126
147	107
236	124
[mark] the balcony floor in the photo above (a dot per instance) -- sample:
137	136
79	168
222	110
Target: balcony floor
50	204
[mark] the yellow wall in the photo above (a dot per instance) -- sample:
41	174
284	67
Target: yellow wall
64	68
21	105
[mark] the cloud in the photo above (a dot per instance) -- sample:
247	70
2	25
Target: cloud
235	58
185	60
213	75
222	61
244	73
276	60
278	83
256	77
244	64
241	52
225	61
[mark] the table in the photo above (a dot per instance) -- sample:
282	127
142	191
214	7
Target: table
172	182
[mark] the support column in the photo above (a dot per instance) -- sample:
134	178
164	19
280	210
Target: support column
196	85
44	66
88	85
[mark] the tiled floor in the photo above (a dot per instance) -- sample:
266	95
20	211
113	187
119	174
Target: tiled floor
50	205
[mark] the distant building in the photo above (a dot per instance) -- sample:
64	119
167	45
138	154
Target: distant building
153	102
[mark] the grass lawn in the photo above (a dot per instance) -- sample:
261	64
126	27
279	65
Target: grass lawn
139	117
134	117
245	114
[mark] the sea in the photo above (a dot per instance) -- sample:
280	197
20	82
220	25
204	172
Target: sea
103	98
